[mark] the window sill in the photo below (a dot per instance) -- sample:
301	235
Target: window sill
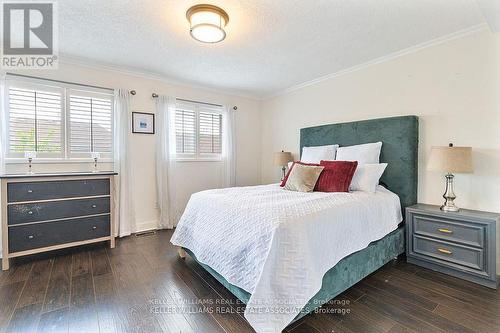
196	160
57	161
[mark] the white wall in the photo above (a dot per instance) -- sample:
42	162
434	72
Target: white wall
454	88
193	176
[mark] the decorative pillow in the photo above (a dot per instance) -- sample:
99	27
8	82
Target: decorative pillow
318	153
303	178
368	153
336	177
367	177
290	167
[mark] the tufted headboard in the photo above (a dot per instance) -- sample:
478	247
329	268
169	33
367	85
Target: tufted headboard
399	136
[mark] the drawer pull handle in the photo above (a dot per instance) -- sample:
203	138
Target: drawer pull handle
31	237
94	206
30	191
30	212
444	251
94	228
445	231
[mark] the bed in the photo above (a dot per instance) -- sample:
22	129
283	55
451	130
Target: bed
233	233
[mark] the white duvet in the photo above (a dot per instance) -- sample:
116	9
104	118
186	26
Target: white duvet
278	244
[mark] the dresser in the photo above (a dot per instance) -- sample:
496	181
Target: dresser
44	212
465	244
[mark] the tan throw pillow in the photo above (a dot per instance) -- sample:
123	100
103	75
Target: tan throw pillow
303	178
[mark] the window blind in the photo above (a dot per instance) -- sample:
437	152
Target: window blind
90	122
58	119
185	131
35	120
198	131
210	133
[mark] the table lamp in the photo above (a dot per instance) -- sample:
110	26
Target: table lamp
281	159
450	160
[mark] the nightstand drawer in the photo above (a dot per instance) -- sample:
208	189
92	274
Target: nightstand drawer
38	235
454	253
49	190
454	231
52	210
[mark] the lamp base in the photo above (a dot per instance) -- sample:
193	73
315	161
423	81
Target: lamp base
449	196
449	208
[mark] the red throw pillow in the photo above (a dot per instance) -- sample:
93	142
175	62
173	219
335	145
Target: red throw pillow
336	177
283	182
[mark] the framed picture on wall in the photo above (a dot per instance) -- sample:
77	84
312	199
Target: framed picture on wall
143	123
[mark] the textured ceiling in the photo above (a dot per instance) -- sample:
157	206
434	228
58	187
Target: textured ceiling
271	44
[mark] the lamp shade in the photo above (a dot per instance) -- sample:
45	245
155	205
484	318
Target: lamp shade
282	158
451	159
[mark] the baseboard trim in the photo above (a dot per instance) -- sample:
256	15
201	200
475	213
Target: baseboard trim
146	226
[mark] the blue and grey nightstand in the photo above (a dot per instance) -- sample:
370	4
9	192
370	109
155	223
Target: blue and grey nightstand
465	244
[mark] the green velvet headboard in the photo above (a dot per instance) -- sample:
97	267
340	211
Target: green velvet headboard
399	136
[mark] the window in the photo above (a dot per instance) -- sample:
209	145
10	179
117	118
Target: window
210	125
90	123
35	120
58	120
198	131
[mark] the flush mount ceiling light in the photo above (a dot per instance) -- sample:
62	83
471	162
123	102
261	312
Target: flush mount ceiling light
207	23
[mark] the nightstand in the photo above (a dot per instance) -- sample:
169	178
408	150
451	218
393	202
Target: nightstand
465	244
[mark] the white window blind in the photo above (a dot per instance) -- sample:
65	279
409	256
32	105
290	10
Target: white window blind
35	120
210	137
90	123
185	131
57	119
198	131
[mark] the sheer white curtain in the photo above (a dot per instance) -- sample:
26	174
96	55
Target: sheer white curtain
229	147
165	110
124	205
3	124
3	134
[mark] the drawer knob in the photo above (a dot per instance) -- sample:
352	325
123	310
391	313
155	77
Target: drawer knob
445	231
94	206
31	237
94	228
30	212
30	191
445	251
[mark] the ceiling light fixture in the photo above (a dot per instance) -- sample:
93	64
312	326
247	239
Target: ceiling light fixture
207	23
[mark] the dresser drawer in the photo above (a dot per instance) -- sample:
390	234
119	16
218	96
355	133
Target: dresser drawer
453	253
42	211
47	190
455	231
33	236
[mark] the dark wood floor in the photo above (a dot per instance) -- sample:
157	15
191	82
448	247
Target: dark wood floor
142	285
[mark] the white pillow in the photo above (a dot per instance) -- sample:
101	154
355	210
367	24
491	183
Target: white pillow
366	177
364	154
318	153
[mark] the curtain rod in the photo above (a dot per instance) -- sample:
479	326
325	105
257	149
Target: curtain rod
155	95
191	101
59	81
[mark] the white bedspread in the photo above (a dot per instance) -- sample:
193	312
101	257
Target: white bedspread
278	244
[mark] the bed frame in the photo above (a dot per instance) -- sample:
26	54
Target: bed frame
400	150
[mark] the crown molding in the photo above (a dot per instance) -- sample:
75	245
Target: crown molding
92	64
85	62
412	49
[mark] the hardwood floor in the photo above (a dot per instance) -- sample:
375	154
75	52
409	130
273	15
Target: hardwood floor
142	286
